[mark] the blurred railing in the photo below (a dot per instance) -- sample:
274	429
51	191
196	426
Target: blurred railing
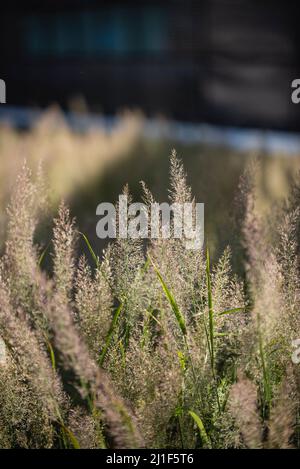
178	132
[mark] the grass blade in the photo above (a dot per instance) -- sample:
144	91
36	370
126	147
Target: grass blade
210	311
41	258
51	352
175	308
203	435
266	379
110	334
72	438
92	252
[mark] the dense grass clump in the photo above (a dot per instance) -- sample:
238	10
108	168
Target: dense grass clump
150	346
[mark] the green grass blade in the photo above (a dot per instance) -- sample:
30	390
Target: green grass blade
122	350
92	252
52	355
51	351
41	258
154	318
146	328
266	377
175	308
110	334
66	432
210	310
203	435
72	438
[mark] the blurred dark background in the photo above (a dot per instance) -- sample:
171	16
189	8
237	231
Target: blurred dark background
228	62
212	77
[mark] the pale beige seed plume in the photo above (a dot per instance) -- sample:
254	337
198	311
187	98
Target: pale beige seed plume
243	407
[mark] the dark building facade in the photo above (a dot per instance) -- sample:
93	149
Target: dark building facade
222	61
